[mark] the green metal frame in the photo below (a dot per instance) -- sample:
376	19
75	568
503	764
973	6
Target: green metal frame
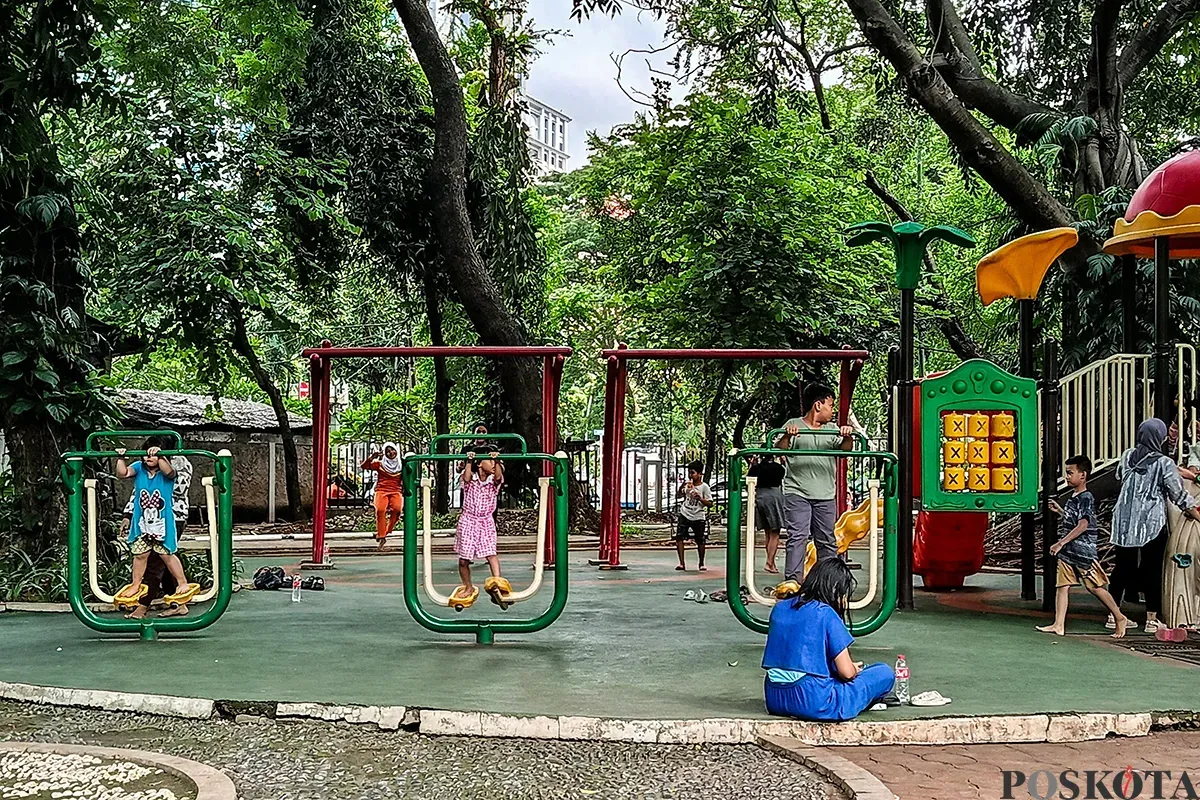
147	629
734	544
471	437
979	385
484	630
92	437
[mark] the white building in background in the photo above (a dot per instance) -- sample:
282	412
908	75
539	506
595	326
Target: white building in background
547	126
547	137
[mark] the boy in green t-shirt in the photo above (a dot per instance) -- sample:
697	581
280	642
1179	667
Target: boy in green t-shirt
809	487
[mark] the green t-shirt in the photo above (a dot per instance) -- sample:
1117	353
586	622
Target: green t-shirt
812	477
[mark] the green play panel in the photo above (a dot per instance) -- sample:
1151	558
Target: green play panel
628	645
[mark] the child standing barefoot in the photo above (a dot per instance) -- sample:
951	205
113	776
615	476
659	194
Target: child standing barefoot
475	537
1076	550
152	526
389	496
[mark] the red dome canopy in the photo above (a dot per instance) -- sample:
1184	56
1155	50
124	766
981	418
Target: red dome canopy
1166	204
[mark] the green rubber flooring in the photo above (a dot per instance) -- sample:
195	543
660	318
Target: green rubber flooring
627	645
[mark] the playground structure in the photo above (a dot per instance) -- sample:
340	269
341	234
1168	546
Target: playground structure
320	365
219	495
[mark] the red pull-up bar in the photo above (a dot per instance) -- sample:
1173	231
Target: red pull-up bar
733	354
613	445
329	351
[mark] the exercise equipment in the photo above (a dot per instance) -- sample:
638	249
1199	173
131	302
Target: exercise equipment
552	493
850	527
182	598
220	527
739	563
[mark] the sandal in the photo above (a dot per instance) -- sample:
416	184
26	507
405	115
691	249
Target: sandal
772	569
681	568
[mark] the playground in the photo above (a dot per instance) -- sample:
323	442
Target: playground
589	635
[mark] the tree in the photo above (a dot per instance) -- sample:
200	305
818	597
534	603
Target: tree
183	186
47	348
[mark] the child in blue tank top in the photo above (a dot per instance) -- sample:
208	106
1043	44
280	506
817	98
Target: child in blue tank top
152	527
809	671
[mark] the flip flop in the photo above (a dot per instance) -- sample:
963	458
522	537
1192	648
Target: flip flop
772	570
1171	634
929	699
878	707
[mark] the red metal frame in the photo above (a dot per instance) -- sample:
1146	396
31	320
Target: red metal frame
616	387
320	362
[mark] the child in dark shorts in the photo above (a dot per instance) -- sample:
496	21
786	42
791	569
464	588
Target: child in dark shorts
1078	560
693	513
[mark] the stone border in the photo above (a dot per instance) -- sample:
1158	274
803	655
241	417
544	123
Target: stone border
1033	728
856	782
210	783
49	608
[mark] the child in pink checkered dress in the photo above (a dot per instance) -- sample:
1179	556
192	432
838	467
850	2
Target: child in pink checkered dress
476	535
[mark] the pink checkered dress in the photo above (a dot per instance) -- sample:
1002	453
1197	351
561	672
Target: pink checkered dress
476	536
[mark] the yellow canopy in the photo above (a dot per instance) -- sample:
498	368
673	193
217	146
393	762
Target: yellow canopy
1016	269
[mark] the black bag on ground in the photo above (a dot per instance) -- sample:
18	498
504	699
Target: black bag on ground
269	578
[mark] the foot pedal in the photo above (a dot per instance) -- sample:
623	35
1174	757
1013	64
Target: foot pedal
462	598
125	600
180	598
787	589
499	590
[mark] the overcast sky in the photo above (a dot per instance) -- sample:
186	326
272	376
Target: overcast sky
576	75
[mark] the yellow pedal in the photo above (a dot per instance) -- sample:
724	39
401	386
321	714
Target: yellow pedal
499	589
180	598
461	598
787	589
125	600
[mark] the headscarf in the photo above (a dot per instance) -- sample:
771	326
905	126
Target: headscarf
390	465
1151	436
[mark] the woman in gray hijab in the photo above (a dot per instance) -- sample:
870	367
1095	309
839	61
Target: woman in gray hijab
1148	479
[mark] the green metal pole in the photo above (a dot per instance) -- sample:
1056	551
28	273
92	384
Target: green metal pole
734	547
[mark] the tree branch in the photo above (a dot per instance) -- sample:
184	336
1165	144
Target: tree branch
1151	38
1028	198
961	69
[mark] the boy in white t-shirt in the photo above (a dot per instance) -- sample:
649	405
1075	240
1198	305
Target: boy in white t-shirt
693	513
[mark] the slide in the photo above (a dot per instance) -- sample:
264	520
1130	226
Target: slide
948	546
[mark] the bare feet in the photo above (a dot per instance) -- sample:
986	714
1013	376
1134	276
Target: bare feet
1119	633
137	613
1057	631
771	568
181	611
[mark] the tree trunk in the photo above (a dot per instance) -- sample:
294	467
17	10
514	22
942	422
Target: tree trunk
712	421
481	298
291	460
441	390
743	418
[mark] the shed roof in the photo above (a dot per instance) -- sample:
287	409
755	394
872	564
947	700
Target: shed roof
144	410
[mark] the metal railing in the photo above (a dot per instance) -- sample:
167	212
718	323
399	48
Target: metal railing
1185	387
1102	405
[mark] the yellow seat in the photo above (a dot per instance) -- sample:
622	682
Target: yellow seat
852	526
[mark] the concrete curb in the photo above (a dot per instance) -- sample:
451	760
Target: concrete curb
856	782
1033	728
211	784
49	608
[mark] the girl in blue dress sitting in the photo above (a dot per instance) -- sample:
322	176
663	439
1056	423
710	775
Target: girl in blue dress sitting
809	671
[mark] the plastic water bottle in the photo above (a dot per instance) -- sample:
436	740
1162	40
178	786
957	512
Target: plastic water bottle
296	598
325	554
901	679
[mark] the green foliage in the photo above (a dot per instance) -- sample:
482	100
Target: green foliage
388	416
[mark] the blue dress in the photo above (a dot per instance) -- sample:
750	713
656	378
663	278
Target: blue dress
153	517
801	646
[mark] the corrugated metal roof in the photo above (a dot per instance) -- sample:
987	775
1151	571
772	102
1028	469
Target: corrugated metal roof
144	409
